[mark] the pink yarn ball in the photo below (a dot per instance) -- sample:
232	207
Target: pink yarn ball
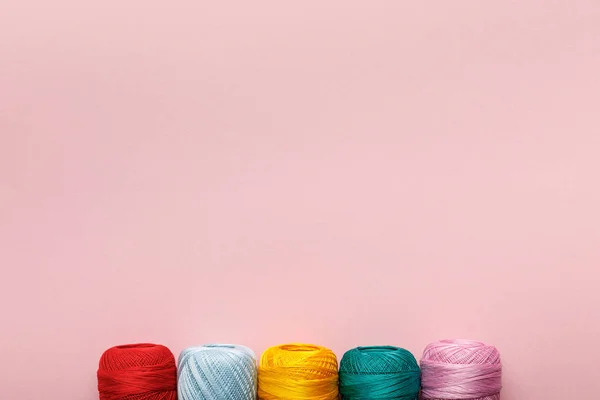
460	369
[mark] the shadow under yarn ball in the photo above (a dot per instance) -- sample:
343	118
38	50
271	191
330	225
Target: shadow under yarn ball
141	371
217	372
379	372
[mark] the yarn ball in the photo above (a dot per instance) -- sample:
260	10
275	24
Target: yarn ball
298	372
142	371
379	372
217	372
461	369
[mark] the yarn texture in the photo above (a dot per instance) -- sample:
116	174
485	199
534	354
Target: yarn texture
298	372
142	371
461	369
217	372
379	372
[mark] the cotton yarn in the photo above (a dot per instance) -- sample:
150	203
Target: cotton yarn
461	369
298	372
217	372
379	372
142	371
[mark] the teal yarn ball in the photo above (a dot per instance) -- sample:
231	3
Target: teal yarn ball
379	372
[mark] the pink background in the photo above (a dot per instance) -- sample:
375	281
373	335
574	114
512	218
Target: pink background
339	172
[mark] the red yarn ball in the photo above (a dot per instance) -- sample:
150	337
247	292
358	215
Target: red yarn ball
137	372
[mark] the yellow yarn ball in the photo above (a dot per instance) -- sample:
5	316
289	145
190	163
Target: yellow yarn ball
298	372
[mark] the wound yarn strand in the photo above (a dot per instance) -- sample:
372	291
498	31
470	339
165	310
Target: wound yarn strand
217	372
461	369
379	372
142	371
298	372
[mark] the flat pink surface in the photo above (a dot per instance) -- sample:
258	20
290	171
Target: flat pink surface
338	172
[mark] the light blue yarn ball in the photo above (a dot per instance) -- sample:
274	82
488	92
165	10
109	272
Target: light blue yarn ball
217	372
